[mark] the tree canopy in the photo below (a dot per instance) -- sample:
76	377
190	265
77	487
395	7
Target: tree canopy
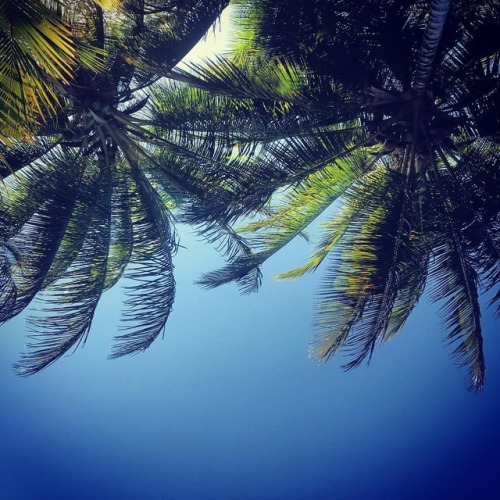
89	191
384	113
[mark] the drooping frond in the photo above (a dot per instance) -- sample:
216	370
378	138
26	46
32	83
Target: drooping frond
70	302
21	194
121	233
413	274
35	243
284	162
350	280
454	280
300	206
347	175
473	184
152	289
367	293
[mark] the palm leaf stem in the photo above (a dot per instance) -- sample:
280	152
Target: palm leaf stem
327	342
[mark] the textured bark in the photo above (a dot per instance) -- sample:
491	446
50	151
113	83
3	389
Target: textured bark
432	36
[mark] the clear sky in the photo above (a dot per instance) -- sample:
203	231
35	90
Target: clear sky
228	406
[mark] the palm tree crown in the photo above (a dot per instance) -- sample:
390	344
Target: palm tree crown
388	110
91	194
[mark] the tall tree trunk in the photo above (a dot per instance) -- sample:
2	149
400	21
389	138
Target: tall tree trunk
432	36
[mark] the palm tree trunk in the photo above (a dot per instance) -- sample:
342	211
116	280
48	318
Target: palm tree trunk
432	36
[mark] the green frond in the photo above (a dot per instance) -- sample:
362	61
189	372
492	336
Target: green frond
193	114
270	80
347	284
454	282
121	231
36	48
347	175
34	244
151	295
375	239
326	172
304	203
412	282
298	209
70	302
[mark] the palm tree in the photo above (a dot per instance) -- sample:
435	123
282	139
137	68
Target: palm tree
410	156
90	197
387	111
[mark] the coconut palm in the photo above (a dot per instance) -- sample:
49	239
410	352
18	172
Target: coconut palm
387	112
92	194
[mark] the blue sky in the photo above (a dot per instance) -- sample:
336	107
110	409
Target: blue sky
229	406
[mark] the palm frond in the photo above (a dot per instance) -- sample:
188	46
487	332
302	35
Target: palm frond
369	276
35	244
192	114
412	281
273	80
473	187
454	281
244	267
151	296
346	174
301	205
36	47
121	232
27	189
20	154
70	302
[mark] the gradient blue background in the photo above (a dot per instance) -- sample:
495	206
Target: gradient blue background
228	406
